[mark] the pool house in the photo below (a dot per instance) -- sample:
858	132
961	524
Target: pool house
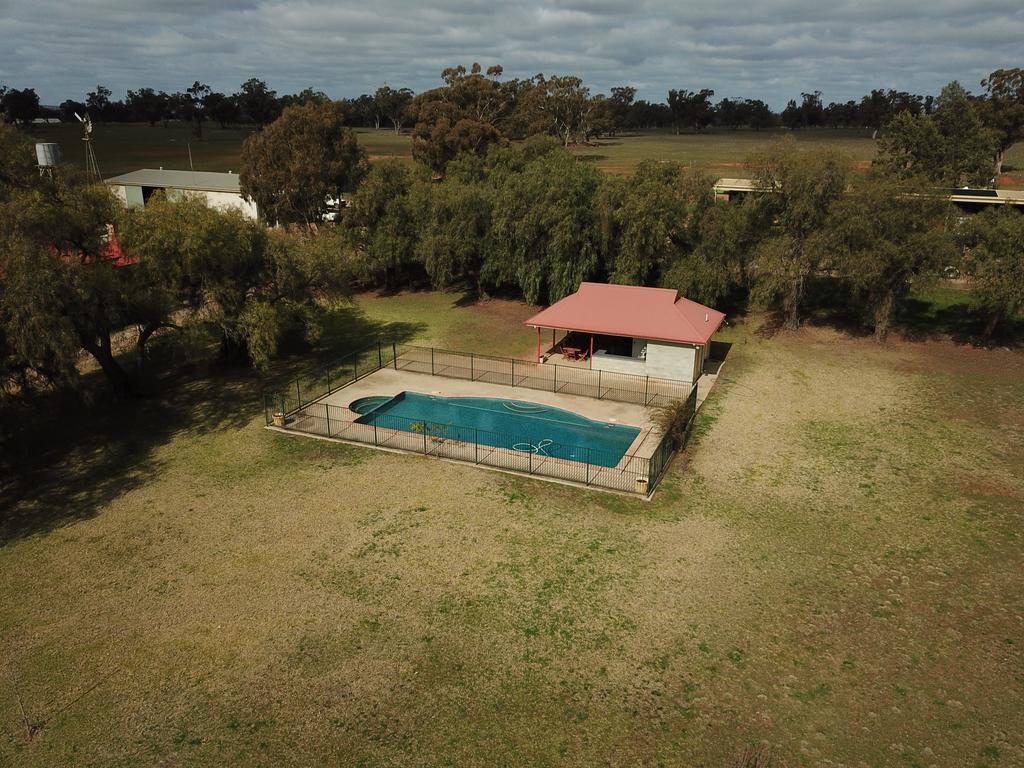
628	329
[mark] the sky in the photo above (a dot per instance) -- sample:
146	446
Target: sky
767	49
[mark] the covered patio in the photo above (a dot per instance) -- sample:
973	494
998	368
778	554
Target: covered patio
628	329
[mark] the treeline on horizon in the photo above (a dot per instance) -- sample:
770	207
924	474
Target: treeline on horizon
254	103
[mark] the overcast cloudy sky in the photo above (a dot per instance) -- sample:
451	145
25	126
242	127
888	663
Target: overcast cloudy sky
770	49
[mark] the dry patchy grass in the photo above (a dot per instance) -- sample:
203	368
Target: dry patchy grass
834	572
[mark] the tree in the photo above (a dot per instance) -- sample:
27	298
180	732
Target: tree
62	290
719	265
257	102
98	102
69	108
621	102
393	104
994	242
252	283
560	106
691	109
222	108
1002	110
381	223
197	95
887	238
453	225
651	219
463	115
950	146
292	166
545	230
20	106
800	186
146	104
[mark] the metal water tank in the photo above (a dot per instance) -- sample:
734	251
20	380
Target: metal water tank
47	154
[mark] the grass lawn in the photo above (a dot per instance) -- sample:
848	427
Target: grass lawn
833	568
127	147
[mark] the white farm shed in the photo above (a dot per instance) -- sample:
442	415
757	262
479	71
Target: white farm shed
219	190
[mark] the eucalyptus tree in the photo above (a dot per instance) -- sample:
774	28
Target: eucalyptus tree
296	163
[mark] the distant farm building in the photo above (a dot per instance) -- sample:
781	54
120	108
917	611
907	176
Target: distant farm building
629	329
219	190
968	200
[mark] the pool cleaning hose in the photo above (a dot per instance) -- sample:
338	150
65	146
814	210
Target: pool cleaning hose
540	448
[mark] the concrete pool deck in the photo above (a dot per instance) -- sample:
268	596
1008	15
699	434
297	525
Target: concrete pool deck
390	382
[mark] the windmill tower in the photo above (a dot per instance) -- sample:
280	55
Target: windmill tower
92	168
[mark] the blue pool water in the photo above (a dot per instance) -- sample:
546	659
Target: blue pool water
513	424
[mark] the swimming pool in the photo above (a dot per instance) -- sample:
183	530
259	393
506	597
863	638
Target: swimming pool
514	424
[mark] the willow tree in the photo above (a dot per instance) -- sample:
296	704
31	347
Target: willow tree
651	220
545	232
799	187
453	221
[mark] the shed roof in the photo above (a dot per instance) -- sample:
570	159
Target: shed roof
660	314
206	181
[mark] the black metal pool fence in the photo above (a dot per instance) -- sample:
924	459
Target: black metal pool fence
296	407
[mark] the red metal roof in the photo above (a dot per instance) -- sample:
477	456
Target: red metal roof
660	314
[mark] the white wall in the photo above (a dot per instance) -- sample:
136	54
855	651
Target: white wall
681	362
227	201
618	364
673	361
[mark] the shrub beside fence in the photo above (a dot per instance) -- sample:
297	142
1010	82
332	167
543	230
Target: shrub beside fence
296	407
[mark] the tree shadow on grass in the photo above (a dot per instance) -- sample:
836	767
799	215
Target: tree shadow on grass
68	458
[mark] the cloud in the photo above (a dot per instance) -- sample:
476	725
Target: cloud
771	49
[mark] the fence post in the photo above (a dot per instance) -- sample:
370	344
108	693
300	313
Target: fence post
588	467
529	458
598	383
647	383
298	393
328	380
554	380
471	366
476	445
513	371
431	361
424	438
375	433
327	411
380	356
394	355
283	410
